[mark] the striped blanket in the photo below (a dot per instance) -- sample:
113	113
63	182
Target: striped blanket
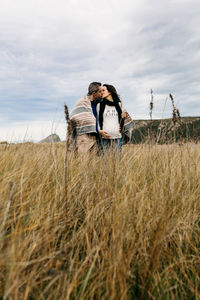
82	117
128	128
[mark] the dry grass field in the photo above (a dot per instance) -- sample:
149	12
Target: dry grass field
123	228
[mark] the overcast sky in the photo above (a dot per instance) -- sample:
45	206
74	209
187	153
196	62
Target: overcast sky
50	50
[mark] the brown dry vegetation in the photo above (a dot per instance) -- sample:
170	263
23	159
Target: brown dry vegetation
129	227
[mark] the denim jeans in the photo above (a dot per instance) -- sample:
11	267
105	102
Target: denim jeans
111	143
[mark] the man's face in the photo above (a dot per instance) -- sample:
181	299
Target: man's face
97	94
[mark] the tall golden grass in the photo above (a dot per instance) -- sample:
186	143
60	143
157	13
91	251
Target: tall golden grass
128	227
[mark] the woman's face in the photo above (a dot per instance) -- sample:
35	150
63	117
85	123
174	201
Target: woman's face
104	92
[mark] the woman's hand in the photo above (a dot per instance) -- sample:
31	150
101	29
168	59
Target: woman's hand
124	114
104	134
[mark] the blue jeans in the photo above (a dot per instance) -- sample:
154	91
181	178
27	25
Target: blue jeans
111	143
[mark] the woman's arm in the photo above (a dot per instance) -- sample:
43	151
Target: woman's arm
102	133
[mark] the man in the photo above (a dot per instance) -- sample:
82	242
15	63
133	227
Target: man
83	118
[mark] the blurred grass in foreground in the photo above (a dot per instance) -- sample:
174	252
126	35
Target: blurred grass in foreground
129	228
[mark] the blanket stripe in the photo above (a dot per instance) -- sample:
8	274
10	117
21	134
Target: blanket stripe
128	126
79	110
82	117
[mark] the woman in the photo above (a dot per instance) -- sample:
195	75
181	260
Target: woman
110	116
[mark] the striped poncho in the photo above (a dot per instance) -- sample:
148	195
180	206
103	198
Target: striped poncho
128	127
82	117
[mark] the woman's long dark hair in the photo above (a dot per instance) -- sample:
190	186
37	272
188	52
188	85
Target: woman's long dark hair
116	100
111	89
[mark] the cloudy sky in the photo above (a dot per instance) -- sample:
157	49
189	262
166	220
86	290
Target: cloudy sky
50	50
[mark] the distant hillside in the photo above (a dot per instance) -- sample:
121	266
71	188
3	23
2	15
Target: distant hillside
53	138
165	131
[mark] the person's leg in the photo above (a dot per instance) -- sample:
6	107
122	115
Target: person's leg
120	144
105	145
99	145
86	143
117	143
